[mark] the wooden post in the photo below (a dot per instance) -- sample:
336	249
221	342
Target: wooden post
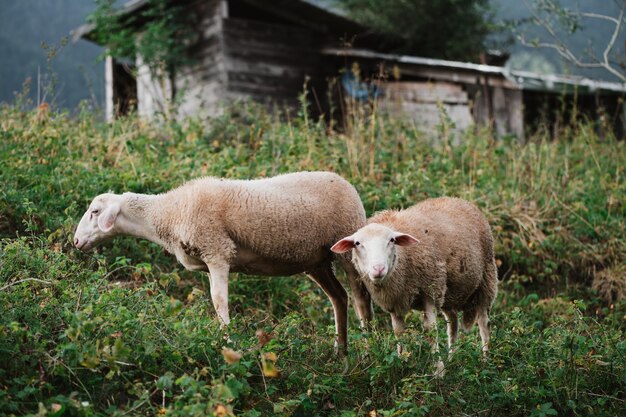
109	104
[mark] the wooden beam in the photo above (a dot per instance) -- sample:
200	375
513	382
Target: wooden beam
109	104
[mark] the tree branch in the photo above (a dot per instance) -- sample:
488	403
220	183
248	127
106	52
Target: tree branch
599	16
614	37
564	52
560	46
11	284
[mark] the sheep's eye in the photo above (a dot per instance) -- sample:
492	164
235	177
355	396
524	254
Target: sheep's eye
357	243
392	240
96	211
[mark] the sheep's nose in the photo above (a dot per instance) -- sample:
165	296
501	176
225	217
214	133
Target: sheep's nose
378	270
76	241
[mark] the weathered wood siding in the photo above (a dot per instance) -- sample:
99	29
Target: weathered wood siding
499	107
200	86
423	102
154	91
269	62
236	58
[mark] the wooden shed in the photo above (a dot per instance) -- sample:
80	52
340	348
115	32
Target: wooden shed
245	49
267	50
511	102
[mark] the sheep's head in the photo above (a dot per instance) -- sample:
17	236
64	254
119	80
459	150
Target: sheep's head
98	222
374	249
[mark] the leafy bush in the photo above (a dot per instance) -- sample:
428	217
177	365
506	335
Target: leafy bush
126	330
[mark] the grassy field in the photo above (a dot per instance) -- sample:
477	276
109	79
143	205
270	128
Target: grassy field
127	331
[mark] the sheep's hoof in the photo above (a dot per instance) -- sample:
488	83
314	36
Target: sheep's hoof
340	349
399	348
363	348
226	336
366	344
440	369
451	351
346	365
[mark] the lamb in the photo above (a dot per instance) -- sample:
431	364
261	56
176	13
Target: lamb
435	255
283	225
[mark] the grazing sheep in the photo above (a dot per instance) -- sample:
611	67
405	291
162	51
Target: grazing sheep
435	255
276	226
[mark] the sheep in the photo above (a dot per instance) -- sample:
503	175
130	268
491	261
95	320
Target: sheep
435	255
276	226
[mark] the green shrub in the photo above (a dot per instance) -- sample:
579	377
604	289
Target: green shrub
126	331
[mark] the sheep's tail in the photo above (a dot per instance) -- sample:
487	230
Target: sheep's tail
483	297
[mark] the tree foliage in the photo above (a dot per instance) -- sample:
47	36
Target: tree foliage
450	29
158	32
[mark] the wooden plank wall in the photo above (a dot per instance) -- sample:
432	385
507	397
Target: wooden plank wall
154	91
200	87
268	62
420	101
499	107
493	100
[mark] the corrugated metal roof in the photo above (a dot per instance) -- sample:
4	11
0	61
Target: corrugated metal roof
558	82
408	59
523	79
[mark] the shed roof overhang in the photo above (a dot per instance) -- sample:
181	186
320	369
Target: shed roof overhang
522	80
86	31
298	11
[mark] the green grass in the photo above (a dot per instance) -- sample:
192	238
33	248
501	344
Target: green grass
126	331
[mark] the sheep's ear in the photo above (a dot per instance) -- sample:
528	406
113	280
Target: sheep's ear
344	245
402	239
106	220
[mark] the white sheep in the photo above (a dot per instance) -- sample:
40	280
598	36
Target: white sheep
283	225
435	255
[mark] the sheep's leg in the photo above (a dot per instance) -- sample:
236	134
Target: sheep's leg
362	298
362	301
218	277
483	327
430	318
452	321
430	324
325	278
397	322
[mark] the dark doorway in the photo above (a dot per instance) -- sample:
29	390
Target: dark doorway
124	88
